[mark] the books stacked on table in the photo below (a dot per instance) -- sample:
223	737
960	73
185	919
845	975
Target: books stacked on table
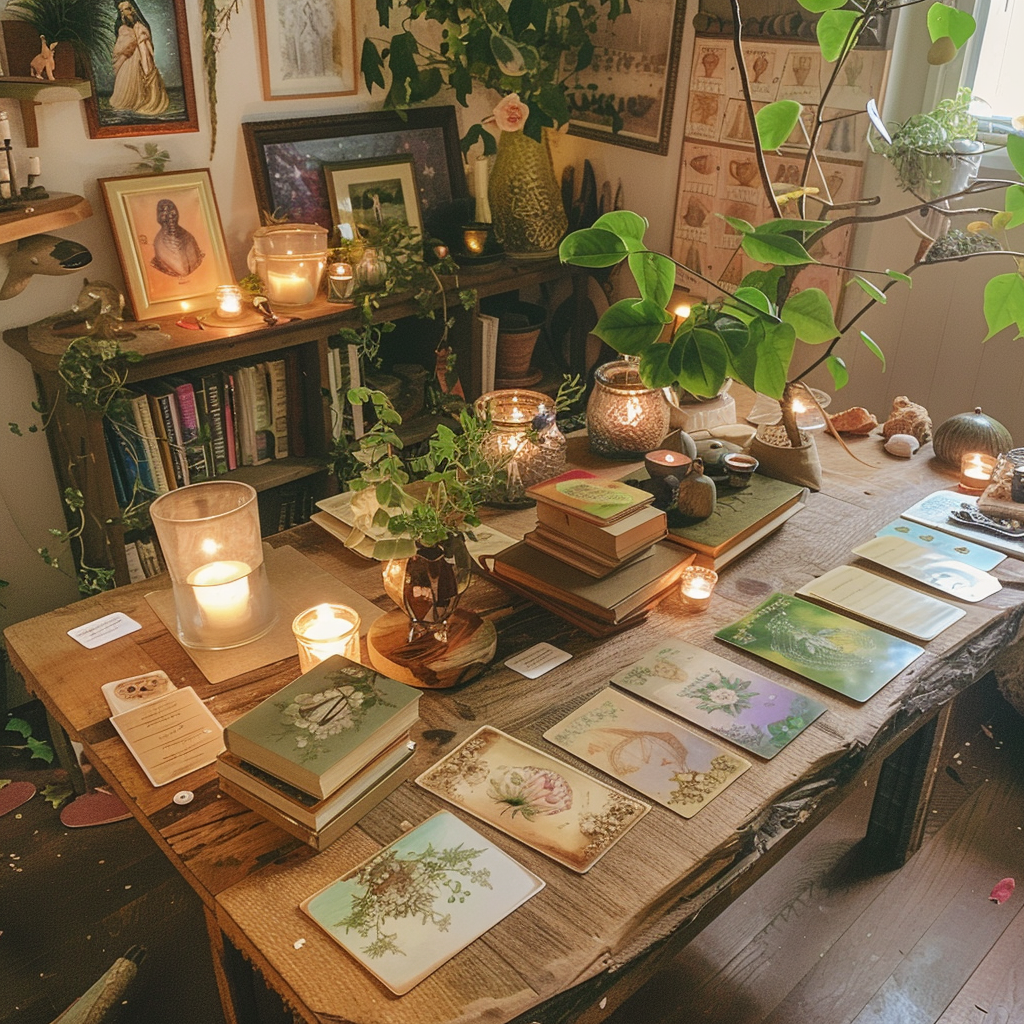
597	557
322	751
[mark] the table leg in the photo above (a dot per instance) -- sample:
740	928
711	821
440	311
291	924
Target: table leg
896	826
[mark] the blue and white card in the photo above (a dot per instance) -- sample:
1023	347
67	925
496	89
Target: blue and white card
946	544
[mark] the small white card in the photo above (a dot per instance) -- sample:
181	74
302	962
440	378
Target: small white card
536	660
933	570
102	631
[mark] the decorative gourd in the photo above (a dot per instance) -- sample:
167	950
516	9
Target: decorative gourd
970	432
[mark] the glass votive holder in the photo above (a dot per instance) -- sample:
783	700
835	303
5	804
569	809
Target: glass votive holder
976	469
209	535
696	586
340	282
325	630
476	239
229	301
625	418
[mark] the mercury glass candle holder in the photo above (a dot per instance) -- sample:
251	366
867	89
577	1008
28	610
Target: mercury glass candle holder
524	439
696	586
325	630
209	534
340	282
625	418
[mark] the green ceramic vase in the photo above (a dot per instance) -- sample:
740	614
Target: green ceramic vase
526	202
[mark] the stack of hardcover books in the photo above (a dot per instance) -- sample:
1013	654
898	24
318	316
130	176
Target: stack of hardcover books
323	751
597	556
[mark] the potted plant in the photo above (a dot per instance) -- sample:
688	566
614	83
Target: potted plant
753	332
933	154
530	55
66	28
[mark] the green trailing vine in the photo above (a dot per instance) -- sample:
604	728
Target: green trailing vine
216	24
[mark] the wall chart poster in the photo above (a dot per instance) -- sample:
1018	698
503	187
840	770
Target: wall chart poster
719	173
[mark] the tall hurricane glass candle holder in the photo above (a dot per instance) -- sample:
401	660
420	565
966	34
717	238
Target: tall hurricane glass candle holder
209	534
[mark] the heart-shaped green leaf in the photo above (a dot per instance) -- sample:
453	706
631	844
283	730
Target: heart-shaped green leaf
655	276
810	314
655	368
948	21
838	32
592	247
774	353
776	121
629	226
1004	304
873	348
629	325
1015	205
1015	151
781	250
837	368
817	6
703	362
740	302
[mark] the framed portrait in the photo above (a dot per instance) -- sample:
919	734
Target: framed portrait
143	84
636	61
307	49
369	195
169	241
287	158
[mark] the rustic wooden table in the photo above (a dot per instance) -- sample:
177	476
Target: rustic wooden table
578	948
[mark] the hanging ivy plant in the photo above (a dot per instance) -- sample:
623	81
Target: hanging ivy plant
216	24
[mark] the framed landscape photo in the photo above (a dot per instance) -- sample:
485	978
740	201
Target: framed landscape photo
287	158
369	195
169	241
143	84
307	49
636	61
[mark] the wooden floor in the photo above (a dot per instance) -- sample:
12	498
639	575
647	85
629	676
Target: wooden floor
822	939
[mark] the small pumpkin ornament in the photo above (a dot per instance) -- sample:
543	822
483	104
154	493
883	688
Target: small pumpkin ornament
970	432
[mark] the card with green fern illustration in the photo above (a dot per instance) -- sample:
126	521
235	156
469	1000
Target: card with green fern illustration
549	805
845	655
416	903
648	751
725	698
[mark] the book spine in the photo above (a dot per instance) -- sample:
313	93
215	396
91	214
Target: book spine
277	381
143	418
335	399
116	469
263	422
191	443
149	556
136	573
293	389
230	434
355	380
160	424
212	409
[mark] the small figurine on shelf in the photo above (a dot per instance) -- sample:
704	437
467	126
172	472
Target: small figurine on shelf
44	62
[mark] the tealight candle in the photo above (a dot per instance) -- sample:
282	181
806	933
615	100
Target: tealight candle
324	631
474	238
695	587
229	301
665	462
340	282
976	470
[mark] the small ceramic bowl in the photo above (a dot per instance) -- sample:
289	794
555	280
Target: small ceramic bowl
740	468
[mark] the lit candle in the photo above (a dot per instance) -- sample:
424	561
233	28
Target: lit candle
289	289
475	240
229	301
808	415
695	587
324	631
221	591
34	166
665	462
680	313
340	281
976	471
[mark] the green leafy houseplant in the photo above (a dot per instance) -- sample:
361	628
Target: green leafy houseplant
533	48
753	333
87	25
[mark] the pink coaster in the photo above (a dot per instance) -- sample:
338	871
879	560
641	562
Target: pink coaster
95	808
14	795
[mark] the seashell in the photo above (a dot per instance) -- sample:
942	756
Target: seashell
902	445
854	421
908	417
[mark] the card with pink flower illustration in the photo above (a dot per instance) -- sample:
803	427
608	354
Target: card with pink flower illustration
543	802
648	751
725	698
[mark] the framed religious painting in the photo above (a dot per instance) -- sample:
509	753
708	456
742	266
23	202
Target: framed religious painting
287	159
368	196
169	241
307	49
142	82
635	63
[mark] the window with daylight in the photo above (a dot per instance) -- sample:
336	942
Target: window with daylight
991	67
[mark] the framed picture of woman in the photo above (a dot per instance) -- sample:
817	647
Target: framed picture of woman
169	241
142	82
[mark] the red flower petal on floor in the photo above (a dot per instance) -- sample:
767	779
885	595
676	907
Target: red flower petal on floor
1003	890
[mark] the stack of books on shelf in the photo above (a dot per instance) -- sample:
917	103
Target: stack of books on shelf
323	751
597	556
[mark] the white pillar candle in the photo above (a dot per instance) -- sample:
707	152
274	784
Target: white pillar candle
34	165
289	289
221	591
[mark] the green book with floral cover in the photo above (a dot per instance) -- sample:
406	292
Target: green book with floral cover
590	497
318	731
